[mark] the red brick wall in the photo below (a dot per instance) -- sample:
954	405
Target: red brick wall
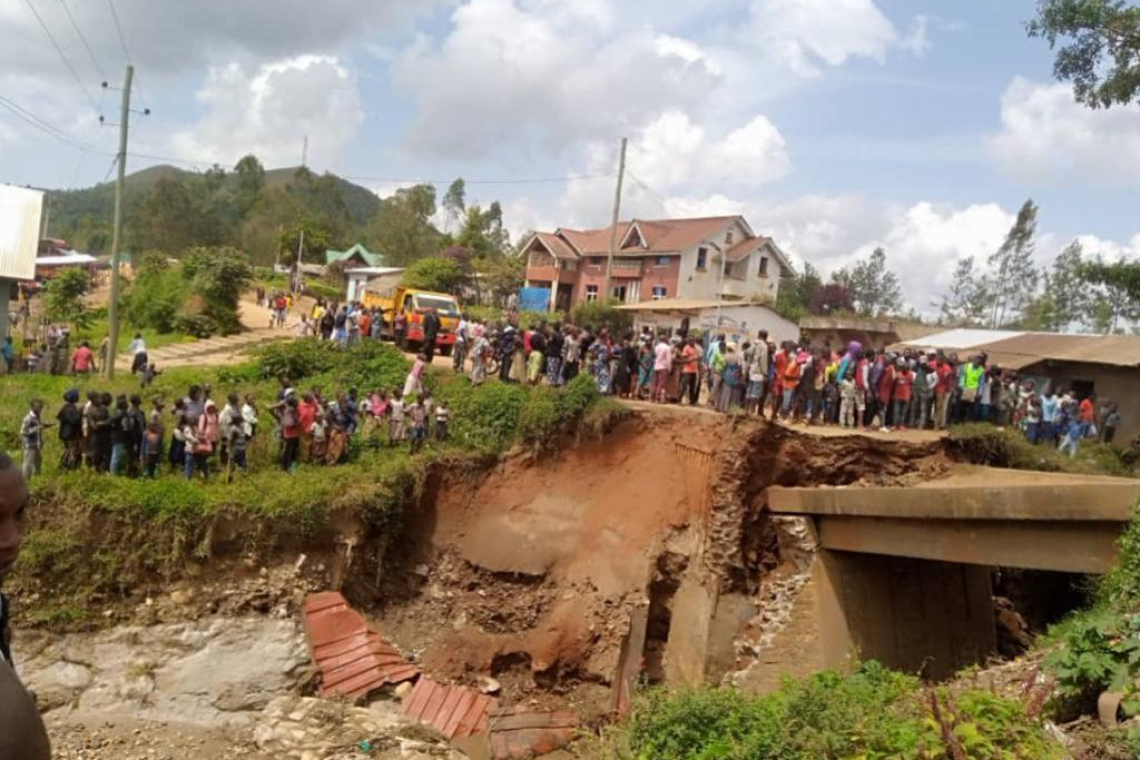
654	276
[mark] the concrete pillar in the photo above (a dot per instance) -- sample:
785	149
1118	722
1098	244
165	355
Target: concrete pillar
911	615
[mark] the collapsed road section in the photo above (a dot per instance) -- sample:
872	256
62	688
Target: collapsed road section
520	602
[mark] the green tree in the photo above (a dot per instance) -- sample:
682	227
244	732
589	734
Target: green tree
500	277
164	220
437	273
455	202
219	276
1112	304
1122	276
1100	48
317	240
796	292
966	302
1013	278
64	297
250	176
157	294
874	288
1066	298
402	227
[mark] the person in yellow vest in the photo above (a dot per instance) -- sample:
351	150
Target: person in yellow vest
973	375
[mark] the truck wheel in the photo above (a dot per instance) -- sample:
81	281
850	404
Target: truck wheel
445	350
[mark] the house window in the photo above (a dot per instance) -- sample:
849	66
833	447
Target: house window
659	292
570	265
763	266
591	293
619	292
728	238
702	259
596	261
663	261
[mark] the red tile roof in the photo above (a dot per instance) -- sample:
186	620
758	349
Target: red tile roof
746	247
558	247
352	658
454	711
660	236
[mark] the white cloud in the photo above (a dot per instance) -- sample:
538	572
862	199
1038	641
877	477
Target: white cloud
1047	137
556	72
1110	249
269	110
805	34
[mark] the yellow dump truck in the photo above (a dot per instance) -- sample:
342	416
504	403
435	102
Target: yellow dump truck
414	304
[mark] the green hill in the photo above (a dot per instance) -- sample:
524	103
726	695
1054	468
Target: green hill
69	207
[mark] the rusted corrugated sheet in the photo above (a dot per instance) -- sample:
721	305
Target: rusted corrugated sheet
1116	350
352	658
454	711
517	734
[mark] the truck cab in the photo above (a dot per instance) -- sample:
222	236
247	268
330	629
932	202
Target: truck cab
414	304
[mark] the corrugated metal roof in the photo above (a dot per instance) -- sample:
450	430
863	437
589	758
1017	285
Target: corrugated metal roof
518	734
964	338
1116	350
1014	349
20	209
454	711
352	658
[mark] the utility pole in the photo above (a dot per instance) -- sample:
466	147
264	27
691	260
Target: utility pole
305	152
116	241
297	284
614	221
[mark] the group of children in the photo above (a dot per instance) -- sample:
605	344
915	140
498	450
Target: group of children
315	429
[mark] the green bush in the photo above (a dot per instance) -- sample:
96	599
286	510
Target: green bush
872	713
198	325
598	314
485	418
219	276
64	297
1100	651
157	295
436	273
297	359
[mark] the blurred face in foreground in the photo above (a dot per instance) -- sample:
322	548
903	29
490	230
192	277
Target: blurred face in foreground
13	502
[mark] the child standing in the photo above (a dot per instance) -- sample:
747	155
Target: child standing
396	421
442	416
152	449
419	425
848	394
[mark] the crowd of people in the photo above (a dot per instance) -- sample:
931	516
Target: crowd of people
854	388
116	435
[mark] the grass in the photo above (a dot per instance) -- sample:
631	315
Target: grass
93	536
870	712
981	443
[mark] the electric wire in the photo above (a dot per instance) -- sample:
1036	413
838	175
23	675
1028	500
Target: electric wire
83	39
63	57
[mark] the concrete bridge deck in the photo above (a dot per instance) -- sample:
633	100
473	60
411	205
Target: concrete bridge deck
976	515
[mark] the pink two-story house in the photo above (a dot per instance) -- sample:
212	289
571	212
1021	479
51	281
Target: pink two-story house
705	258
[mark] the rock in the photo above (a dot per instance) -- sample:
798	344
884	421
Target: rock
181	597
489	685
60	684
403	689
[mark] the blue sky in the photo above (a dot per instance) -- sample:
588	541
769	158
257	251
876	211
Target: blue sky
833	125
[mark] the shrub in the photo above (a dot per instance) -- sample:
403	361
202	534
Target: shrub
486	417
870	713
219	276
64	297
157	294
296	359
598	314
198	325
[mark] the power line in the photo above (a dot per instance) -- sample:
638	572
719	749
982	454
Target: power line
497	181
43	124
126	50
59	50
658	199
83	39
